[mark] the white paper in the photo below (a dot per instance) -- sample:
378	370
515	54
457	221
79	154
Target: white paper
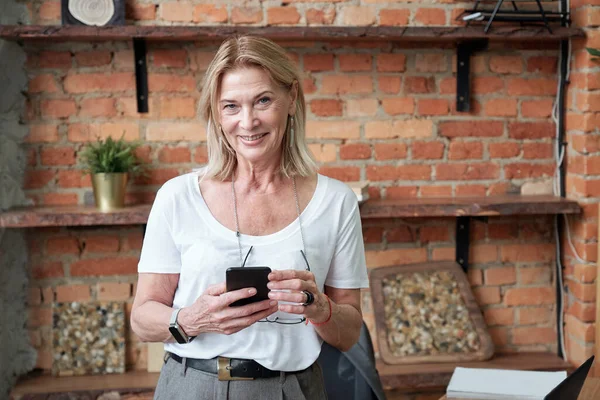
482	383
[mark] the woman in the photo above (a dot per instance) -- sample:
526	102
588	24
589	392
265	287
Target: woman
258	192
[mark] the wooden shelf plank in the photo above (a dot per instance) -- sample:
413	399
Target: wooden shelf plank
132	380
193	33
468	206
437	376
28	217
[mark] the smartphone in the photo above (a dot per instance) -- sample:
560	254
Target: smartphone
248	277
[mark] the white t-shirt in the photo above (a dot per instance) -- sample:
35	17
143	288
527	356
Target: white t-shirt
183	237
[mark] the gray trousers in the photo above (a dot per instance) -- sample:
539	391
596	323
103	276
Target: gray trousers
179	383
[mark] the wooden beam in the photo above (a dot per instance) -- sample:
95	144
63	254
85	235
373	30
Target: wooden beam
596	369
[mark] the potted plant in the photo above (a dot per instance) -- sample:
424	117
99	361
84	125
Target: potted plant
110	162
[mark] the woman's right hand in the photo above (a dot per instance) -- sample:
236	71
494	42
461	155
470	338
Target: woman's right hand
211	311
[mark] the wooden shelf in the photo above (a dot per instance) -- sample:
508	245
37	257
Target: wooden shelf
194	33
437	376
30	217
468	206
129	381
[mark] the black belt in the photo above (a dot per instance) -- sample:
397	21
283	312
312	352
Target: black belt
228	369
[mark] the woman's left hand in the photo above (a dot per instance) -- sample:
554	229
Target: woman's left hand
296	281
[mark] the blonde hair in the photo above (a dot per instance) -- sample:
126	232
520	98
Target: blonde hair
243	52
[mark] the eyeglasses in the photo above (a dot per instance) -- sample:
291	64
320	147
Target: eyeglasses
278	320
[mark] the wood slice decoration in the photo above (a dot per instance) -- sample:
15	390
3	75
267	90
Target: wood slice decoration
426	313
93	12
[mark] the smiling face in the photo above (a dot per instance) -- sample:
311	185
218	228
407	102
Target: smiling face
253	113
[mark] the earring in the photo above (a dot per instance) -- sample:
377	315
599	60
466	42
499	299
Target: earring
291	131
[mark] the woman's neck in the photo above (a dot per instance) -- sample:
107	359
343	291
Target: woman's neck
258	179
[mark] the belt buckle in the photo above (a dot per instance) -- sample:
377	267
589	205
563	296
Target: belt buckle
224	370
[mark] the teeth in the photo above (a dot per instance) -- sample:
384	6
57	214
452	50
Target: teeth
254	137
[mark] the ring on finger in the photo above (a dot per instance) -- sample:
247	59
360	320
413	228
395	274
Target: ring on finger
310	298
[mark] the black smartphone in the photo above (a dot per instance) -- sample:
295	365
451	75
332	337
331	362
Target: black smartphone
248	277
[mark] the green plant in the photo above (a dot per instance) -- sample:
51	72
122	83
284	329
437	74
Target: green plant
111	156
595	53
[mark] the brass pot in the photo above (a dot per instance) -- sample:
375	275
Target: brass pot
109	190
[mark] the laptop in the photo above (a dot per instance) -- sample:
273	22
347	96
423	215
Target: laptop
569	388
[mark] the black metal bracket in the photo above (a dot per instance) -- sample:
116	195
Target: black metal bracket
463	235
141	74
463	71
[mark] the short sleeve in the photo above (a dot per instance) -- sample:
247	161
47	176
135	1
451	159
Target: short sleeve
160	254
348	269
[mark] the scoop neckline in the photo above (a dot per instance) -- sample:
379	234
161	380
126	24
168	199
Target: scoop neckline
228	234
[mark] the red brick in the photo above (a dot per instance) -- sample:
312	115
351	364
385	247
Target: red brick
58	108
323	153
583	291
355	151
525	170
114	291
401	234
50	11
324	16
436	191
39	316
433	106
499	316
37	179
94	58
282	16
470	171
443	254
583	311
333	129
58	156
391	62
171	83
389	84
501	107
394	17
62	245
531	130
176	12
346	174
504	150
432	62
44	83
419	84
427	150
483	253
430	16
140	12
35	338
545	65
527	253
210	13
174	155
531	87
86	133
358	16
410	128
390	151
538	150
465	150
448	86
487	85
403	172
529	296
398	105
487	295
534	315
355	62
534	335
475	277
94	82
535	275
318	62
157	176
395	257
48	269
579	330
132	241
176	131
177	107
73	179
372	234
537	108
97	107
34	297
471	128
346	84
309	85
101	244
326	107
429	234
173	58
246	15
361	107
401	192
588	101
55	59
470	190
500	276
506	64
585	273
42	133
105	266
69	293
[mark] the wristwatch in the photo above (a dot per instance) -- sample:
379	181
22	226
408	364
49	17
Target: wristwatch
180	336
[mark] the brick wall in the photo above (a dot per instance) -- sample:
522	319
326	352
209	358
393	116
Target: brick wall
382	112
